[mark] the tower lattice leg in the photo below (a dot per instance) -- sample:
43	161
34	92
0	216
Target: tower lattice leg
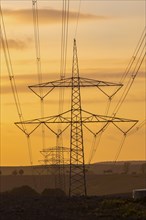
77	166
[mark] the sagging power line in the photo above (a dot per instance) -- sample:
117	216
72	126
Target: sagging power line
132	68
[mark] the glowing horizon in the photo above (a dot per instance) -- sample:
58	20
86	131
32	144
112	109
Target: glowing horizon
107	35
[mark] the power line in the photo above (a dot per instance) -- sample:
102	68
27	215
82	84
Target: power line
135	54
141	124
95	142
135	71
9	67
12	80
120	147
64	37
139	50
64	43
137	128
38	60
78	16
60	178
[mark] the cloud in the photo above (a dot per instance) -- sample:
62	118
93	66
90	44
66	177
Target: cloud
22	82
32	79
29	79
23	88
47	16
6	89
95	74
15	44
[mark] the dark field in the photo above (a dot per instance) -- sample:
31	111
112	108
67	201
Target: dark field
25	203
96	184
109	195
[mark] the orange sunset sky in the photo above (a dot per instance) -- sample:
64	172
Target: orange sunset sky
107	35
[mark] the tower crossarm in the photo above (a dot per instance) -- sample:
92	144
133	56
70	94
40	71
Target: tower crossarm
67	83
54	149
87	117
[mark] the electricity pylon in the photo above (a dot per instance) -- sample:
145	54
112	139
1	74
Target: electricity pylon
76	118
55	162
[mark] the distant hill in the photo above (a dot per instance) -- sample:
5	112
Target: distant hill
96	168
127	167
103	178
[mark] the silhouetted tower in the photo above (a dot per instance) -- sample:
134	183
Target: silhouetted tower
61	161
76	118
77	167
55	161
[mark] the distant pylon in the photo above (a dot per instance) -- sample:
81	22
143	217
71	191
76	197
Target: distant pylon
61	161
55	162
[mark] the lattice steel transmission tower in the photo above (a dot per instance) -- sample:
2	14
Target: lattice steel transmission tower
77	164
55	163
76	118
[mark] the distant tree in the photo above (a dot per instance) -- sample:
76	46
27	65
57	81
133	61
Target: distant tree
14	172
108	171
143	168
21	172
126	167
53	192
23	191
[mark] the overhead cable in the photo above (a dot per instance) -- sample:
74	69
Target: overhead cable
78	16
38	61
12	80
134	66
